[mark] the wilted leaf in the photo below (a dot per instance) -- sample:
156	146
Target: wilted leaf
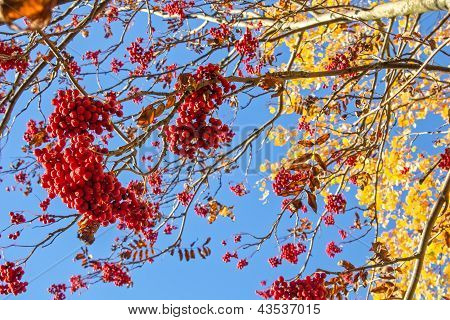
146	116
322	139
39	12
170	101
312	202
319	160
306	143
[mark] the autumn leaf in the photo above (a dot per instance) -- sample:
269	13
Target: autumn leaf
39	12
270	82
306	143
322	139
312	201
149	113
320	162
170	101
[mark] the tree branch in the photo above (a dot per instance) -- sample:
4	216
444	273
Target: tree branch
426	234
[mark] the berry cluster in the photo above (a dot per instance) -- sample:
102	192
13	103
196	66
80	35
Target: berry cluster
10	279
46	219
12	58
93	56
169	228
239	189
140	55
17	218
343	234
201	210
275	262
227	256
329	220
306	126
58	291
444	163
116	65
35	131
310	288
76	174
73	67
14	236
184	197
247	45
112	14
77	283
287	183
220	34
191	130
332	249
342	61
21	177
290	252
114	272
241	264
155	181
75	115
178	8
335	203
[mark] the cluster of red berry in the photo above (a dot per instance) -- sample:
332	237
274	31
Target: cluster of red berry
33	129
10	279
140	55
17	218
241	264
155	181
116	65
12	57
93	56
286	182
335	203
73	67
306	126
332	249
58	291
75	115
342	61
21	177
14	236
178	8
227	256
112	14
76	174
291	251
184	197
77	283
191	130
115	273
329	220
247	45
220	34
310	288
343	234
169	228
239	189
201	210
275	262
46	219
444	163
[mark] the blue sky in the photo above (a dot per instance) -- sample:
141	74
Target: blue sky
167	278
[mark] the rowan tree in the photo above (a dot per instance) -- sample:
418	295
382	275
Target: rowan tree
141	133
